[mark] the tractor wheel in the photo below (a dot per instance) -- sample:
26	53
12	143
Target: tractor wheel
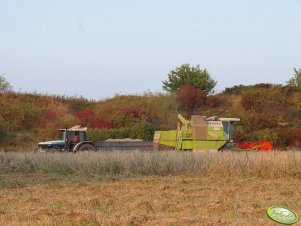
86	147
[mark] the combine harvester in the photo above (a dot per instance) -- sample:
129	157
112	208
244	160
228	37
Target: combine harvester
205	134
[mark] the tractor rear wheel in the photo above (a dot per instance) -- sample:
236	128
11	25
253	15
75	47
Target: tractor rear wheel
86	147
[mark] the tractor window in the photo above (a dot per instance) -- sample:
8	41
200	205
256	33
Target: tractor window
82	136
62	135
71	135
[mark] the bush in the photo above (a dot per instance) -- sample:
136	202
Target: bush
266	135
190	98
289	137
3	133
253	100
294	118
261	100
235	90
143	130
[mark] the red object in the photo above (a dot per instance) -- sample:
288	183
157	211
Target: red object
85	116
101	124
75	139
191	97
255	146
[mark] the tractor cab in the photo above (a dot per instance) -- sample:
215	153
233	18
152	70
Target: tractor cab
73	136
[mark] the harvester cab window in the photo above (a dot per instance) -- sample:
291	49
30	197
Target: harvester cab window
228	129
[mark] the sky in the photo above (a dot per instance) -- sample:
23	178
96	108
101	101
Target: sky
97	49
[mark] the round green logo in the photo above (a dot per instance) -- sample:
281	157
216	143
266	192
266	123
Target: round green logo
282	215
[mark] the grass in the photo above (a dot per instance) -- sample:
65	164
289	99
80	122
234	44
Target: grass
265	165
137	188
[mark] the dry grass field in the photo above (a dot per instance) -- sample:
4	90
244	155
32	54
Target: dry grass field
136	188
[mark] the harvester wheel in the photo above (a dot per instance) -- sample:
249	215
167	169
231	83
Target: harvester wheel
86	147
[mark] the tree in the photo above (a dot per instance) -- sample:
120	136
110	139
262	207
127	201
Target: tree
4	84
295	81
186	74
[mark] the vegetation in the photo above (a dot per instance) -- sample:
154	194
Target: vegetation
186	74
164	163
268	112
295	81
4	84
190	98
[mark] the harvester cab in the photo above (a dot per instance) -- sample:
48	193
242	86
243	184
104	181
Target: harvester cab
71	140
198	134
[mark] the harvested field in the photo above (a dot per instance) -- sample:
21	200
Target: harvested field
150	201
165	188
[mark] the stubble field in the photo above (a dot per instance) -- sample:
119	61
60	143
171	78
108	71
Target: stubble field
134	188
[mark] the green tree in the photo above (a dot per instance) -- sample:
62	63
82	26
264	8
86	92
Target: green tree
4	84
295	81
186	74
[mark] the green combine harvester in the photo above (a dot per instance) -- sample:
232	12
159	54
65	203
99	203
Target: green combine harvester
198	134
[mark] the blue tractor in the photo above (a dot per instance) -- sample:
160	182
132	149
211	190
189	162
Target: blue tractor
71	140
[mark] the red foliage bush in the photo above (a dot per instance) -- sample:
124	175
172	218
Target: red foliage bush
191	98
135	113
49	116
101	124
85	116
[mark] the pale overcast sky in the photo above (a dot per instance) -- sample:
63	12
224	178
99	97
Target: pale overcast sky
101	48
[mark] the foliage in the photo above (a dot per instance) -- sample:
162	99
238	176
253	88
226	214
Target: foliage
219	101
4	84
238	89
87	117
186	74
191	98
101	123
265	100
295	81
267	111
142	130
3	133
126	117
294	118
